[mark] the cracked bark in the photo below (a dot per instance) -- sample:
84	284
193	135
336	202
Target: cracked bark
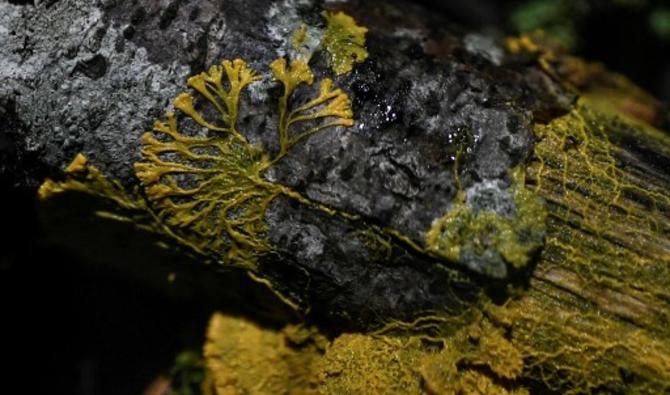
91	77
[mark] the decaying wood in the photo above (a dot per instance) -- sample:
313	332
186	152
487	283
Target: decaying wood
394	256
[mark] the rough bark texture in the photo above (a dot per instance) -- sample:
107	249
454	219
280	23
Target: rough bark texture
423	101
454	137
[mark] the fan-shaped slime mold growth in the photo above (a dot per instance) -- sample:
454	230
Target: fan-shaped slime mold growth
210	189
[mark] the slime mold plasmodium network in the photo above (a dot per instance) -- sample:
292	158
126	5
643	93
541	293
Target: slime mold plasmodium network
209	190
205	184
592	318
222	210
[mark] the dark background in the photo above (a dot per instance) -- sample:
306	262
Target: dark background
72	328
628	36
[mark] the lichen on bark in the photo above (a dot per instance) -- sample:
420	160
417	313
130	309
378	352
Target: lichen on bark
486	240
342	241
593	317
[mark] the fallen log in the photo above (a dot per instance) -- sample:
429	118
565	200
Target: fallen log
389	204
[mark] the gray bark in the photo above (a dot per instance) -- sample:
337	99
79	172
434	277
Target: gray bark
91	77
